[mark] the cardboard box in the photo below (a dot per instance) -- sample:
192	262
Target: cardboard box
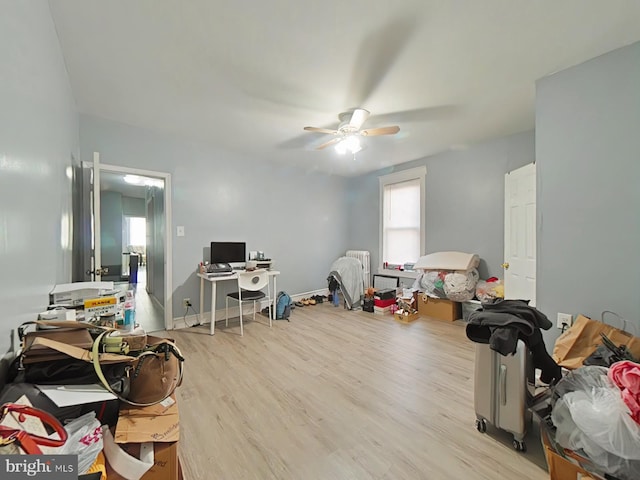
382	310
440	308
165	462
406	318
561	468
158	424
75	293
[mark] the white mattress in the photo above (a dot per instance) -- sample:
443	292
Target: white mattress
448	261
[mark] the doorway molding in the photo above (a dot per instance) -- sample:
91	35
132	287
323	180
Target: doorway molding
168	241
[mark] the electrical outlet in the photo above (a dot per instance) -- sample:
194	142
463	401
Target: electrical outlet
564	319
186	302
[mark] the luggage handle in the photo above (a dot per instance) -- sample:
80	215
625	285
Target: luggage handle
503	384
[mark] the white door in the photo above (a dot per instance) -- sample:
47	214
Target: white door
92	249
520	234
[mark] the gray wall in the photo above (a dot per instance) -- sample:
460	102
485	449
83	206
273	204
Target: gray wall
297	218
464	200
133	207
588	157
38	136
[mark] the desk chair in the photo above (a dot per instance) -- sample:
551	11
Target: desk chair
250	285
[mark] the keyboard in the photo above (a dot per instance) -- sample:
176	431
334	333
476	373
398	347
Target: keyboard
219	274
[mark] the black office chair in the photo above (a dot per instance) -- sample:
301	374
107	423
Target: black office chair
250	285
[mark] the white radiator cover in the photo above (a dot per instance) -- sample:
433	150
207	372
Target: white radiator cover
365	259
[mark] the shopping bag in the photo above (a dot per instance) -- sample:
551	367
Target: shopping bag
582	338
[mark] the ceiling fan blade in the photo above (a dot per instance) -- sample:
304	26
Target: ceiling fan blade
426	114
358	117
320	130
377	54
330	142
371	132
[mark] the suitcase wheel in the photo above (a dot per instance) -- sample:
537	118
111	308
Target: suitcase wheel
519	446
481	425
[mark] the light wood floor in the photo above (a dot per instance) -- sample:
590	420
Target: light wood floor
338	395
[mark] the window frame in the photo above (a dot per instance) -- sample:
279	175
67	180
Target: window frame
416	173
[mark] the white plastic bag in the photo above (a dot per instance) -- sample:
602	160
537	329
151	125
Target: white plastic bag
461	286
591	416
85	440
487	292
432	283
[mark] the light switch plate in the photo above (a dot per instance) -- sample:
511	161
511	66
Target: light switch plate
180	231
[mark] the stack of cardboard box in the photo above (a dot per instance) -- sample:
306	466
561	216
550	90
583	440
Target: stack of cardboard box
158	425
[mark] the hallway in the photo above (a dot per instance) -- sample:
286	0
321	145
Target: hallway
149	312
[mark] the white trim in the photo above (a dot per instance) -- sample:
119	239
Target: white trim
400	274
96	213
398	177
205	317
168	240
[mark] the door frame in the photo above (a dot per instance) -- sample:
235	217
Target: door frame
168	245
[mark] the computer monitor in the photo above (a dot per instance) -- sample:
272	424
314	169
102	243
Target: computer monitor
233	253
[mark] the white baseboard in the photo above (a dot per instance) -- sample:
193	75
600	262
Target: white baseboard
205	317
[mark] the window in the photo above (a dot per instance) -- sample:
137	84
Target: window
402	217
137	228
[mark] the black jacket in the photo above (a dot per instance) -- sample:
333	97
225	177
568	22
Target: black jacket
502	323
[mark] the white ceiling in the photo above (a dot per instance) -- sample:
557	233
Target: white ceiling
114	182
248	75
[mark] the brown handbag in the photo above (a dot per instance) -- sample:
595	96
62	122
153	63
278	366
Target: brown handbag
153	375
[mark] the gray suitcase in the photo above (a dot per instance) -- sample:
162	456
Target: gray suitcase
503	387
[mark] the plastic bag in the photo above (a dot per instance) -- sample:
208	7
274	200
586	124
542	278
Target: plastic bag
85	440
461	286
432	283
489	291
590	415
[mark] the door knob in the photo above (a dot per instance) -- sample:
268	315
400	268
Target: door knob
505	265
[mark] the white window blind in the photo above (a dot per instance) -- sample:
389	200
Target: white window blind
401	222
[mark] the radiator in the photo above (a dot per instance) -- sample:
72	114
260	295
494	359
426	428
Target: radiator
365	259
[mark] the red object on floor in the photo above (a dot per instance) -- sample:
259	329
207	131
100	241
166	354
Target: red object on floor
384	303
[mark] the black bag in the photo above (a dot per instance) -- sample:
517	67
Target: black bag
71	371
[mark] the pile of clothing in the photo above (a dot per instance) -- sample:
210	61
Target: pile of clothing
503	322
347	275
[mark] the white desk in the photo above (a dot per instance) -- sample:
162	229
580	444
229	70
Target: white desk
223	278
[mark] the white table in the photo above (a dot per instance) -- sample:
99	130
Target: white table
224	278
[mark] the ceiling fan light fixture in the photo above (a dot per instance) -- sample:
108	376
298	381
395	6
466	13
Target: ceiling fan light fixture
351	144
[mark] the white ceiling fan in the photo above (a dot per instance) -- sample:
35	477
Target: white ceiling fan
346	137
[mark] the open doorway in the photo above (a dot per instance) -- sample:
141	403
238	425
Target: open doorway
134	252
